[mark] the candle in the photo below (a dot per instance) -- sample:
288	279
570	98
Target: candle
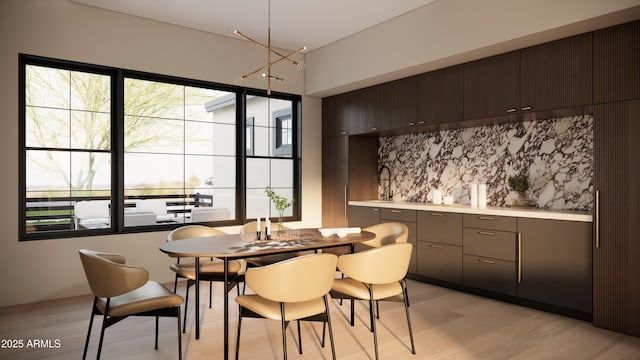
258	225
268	226
474	195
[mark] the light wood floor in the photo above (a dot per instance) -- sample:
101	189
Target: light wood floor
447	325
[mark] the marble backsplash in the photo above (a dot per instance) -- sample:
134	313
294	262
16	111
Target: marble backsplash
556	153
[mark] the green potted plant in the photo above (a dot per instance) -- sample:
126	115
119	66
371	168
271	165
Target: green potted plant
520	184
281	204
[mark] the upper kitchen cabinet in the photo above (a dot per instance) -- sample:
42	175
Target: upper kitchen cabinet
335	120
440	96
400	103
366	110
616	59
492	86
556	74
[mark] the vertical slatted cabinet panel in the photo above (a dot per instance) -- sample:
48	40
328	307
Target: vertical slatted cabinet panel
335	155
440	96
616	59
610	180
633	254
557	74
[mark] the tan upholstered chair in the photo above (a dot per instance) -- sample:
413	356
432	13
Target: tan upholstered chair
251	227
293	289
210	269
375	274
387	233
120	291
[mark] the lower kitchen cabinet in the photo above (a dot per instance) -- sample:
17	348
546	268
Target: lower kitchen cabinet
407	217
555	263
439	261
494	275
363	216
439	246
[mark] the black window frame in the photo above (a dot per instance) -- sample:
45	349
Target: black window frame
117	145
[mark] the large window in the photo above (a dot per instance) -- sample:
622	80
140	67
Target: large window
109	150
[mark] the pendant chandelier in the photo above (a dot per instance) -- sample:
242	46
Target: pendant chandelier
265	71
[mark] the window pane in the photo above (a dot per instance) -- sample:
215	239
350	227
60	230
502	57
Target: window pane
154	172
153	135
70	111
281	173
257	173
198	138
153	99
46	127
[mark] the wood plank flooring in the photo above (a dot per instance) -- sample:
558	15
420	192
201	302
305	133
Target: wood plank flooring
447	324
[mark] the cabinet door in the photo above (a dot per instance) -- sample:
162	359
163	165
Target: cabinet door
616	272
616	55
363	216
555	263
440	227
498	276
440	96
335	155
492	86
334	116
439	261
364	114
557	74
400	103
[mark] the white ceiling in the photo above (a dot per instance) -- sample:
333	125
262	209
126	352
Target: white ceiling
294	23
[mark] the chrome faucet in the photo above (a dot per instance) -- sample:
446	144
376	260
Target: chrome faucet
387	193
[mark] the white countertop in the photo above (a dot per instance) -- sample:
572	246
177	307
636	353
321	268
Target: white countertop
489	210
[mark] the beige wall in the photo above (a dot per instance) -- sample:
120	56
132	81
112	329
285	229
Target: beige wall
449	32
47	269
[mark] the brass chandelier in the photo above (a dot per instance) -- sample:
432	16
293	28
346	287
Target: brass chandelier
279	56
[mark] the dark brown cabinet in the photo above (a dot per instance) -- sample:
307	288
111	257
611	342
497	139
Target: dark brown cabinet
366	110
400	103
556	263
489	253
616	269
363	216
440	96
556	74
492	86
349	172
616	59
439	246
334	116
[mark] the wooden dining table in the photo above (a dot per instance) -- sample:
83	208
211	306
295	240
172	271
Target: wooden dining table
238	246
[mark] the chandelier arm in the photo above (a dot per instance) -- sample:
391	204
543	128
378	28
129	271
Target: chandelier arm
250	39
287	57
253	72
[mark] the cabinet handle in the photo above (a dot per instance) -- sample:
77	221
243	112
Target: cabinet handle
436	246
436	214
374	129
526	108
343	133
512	110
488	233
596	223
420	122
486	218
375	209
487	261
412	123
519	258
396	211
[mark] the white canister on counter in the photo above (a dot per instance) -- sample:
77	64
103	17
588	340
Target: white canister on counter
482	195
474	195
436	196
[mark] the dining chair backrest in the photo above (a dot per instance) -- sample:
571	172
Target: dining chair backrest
108	275
381	265
193	231
298	279
387	233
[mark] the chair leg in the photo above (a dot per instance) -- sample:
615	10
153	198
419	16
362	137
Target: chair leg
157	321
238	335
86	343
299	339
406	291
186	308
377	309
326	307
175	284
284	331
373	320
210	293
406	309
104	326
353	311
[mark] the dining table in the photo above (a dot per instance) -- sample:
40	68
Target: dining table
239	246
